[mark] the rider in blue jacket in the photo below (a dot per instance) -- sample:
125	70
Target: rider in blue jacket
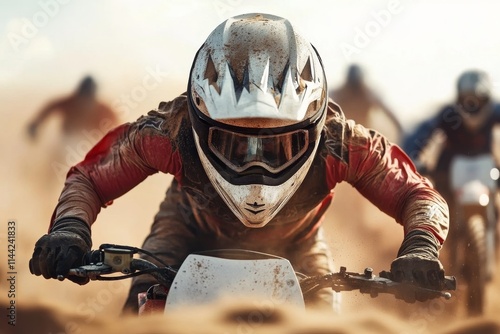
468	127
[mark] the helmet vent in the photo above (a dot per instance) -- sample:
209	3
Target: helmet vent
255	208
255	205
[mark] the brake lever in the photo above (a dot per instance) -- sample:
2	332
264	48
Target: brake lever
92	271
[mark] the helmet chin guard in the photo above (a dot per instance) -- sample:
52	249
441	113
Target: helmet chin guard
254	204
257	102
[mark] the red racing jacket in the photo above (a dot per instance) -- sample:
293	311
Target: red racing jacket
162	141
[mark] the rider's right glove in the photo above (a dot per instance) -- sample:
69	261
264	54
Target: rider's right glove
418	263
62	249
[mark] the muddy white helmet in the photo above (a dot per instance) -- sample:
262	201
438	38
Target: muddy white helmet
257	102
473	98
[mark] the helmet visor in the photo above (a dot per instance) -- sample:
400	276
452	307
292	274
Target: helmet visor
272	152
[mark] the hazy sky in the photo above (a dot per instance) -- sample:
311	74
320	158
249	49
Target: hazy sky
412	50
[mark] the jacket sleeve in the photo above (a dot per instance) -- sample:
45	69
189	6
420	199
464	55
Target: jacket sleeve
386	176
115	165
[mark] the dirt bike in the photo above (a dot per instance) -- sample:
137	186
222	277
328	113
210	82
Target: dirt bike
206	276
472	238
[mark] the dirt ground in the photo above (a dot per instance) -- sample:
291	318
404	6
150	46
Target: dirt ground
358	233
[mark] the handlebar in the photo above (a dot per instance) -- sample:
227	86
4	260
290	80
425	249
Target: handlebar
368	283
110	259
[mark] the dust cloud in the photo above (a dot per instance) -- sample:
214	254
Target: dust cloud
359	235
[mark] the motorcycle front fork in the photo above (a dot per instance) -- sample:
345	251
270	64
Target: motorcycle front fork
489	215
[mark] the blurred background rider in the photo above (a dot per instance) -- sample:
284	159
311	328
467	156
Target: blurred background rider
360	103
79	111
463	127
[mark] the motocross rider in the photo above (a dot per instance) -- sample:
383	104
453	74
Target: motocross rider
256	149
359	100
467	125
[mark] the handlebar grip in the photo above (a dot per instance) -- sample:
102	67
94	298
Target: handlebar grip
93	256
90	257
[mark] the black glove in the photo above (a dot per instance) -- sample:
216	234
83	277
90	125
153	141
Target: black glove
62	249
418	263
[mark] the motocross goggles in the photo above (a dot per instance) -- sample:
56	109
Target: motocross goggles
273	152
472	104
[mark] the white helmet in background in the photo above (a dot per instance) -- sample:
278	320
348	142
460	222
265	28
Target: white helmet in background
257	103
474	98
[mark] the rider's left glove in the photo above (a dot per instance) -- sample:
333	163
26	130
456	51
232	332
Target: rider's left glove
62	249
418	263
